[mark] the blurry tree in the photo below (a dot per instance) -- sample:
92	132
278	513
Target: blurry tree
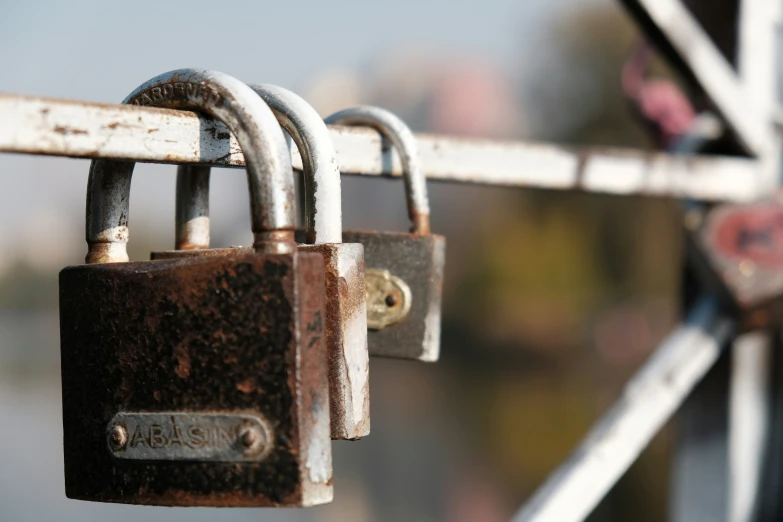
571	290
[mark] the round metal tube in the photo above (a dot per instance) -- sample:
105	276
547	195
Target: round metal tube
395	130
192	207
269	172
323	212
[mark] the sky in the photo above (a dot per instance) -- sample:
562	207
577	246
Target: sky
101	50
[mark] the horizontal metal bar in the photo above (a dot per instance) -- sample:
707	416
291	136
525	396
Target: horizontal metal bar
649	399
89	130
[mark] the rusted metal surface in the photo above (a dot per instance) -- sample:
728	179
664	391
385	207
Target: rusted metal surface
261	139
346	315
418	261
206	252
228	334
192	209
388	299
31	125
345	330
741	249
394	129
346	338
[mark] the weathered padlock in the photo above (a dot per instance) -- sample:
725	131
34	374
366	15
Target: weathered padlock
199	381
739	250
404	272
346	315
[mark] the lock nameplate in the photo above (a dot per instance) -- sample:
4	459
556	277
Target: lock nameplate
213	437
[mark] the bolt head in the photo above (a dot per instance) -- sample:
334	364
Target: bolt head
118	437
249	437
251	440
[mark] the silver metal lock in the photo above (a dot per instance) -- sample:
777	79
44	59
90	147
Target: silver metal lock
404	271
346	315
201	381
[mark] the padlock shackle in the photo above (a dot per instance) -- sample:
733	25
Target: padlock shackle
323	212
395	130
323	191
269	172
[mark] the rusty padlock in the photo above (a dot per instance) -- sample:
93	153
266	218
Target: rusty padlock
739	248
346	316
404	272
198	381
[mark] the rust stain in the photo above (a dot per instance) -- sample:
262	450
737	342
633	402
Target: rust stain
183	361
59	129
420	222
277	375
346	294
247	386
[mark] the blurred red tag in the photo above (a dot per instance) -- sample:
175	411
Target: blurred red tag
753	232
743	247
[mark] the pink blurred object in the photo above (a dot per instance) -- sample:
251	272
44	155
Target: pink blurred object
475	99
660	102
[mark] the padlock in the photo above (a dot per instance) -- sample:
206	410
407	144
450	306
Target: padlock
738	249
346	313
404	271
198	381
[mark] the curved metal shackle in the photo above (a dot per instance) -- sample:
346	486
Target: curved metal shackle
393	128
269	172
323	212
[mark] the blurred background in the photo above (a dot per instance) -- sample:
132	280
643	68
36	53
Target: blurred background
551	299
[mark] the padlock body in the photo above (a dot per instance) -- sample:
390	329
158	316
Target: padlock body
345	327
346	336
417	263
739	250
181	354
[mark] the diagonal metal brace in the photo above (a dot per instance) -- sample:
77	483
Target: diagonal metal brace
677	33
649	399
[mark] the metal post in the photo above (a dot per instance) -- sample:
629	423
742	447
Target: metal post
750	393
748	421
